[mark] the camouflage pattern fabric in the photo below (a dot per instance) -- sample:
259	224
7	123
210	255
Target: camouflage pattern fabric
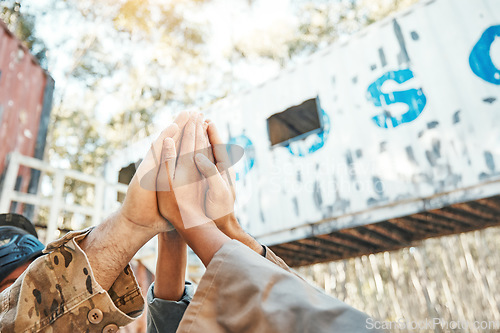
58	293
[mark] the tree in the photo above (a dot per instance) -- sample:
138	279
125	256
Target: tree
23	26
139	58
145	55
319	23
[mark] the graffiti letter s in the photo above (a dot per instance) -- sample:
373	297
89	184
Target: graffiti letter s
480	58
414	98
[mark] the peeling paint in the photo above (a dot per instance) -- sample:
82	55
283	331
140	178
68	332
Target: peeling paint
378	162
432	124
318	199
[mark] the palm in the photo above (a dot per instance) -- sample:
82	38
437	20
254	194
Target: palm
140	206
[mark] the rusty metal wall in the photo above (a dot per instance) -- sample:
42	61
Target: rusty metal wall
411	113
25	105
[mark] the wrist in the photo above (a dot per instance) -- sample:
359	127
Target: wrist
170	266
129	227
229	226
172	244
205	240
110	246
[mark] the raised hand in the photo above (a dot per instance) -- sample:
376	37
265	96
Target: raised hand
220	197
140	206
219	203
182	191
181	187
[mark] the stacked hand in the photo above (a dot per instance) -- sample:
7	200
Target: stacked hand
195	187
184	179
140	207
183	202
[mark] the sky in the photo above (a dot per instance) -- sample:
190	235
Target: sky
230	22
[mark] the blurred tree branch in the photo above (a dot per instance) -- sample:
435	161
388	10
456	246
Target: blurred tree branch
319	23
23	26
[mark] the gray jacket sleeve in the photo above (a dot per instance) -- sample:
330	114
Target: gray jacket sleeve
164	316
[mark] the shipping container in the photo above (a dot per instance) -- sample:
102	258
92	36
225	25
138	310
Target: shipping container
375	142
25	105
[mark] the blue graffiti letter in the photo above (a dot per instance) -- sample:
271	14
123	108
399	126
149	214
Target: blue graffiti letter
247	164
480	58
414	98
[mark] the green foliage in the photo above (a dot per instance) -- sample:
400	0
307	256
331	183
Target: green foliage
145	57
23	26
320	23
140	58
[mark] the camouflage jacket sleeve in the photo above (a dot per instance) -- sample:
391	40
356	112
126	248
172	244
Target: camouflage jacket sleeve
58	293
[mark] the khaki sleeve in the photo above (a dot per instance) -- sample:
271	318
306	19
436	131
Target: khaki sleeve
243	292
58	293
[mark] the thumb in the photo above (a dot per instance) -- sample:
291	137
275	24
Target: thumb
148	169
209	170
167	166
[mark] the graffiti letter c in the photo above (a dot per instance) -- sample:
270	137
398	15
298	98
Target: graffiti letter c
480	58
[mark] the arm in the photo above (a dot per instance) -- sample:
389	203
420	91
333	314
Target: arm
60	292
113	243
229	226
169	296
220	199
243	292
222	203
170	266
183	206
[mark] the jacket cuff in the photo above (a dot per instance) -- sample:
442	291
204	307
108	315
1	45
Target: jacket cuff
165	316
187	296
120	305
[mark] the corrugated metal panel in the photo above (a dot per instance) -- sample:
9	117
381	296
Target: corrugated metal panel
25	103
409	116
391	234
411	124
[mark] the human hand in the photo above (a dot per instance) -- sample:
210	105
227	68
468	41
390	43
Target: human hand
220	197
182	190
170	266
181	187
219	203
140	206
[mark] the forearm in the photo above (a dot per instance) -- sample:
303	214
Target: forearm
205	240
111	246
231	228
170	266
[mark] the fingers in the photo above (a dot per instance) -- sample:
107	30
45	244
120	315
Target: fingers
172	131
148	169
209	170
210	150
189	136
219	148
228	175
167	168
201	138
213	134
181	121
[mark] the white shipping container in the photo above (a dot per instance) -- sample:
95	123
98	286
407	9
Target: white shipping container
410	111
